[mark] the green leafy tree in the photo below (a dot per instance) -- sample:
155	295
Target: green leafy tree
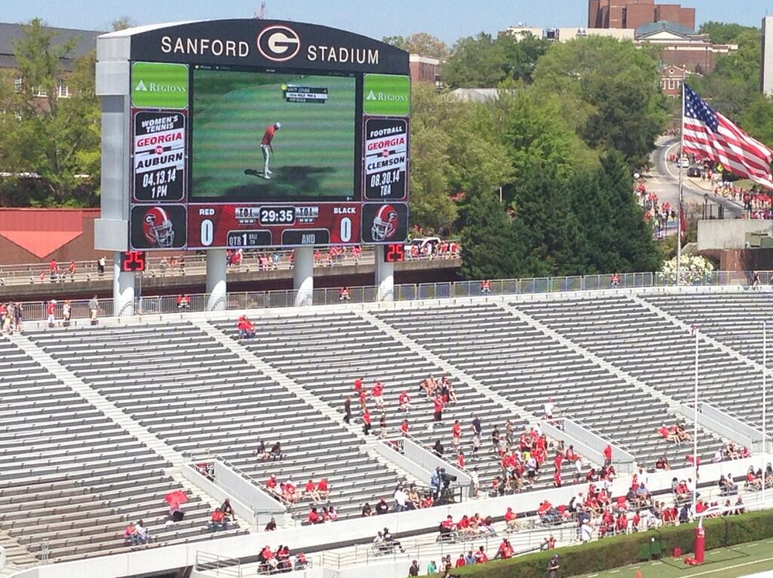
421	43
757	119
631	236
483	61
609	92
488	249
54	137
725	32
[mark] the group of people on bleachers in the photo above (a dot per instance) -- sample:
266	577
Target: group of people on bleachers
222	516
136	534
754	478
279	560
730	451
676	433
467	528
10	317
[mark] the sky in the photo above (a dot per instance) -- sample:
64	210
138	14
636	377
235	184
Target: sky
446	19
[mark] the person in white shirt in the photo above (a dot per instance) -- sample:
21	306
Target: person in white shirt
549	407
142	532
586	532
400	499
475	481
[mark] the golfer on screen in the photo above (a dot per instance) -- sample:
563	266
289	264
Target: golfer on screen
268	150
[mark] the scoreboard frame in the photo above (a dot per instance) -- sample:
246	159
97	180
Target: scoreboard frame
156	207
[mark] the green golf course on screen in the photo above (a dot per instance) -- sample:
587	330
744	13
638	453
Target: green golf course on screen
263	136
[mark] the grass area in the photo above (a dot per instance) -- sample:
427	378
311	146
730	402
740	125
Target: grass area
741	560
314	151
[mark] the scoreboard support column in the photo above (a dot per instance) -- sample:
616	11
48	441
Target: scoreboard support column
303	276
123	289
385	276
217	269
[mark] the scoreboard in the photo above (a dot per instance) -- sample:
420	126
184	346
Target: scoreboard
269	138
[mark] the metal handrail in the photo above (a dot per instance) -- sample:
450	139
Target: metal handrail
35	311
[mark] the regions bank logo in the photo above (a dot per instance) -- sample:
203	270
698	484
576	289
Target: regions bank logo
279	43
158	85
387	95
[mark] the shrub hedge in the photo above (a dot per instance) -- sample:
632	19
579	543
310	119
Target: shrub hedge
614	552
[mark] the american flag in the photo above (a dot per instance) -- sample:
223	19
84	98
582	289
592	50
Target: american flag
709	134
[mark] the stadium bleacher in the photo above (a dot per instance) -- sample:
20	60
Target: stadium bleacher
73	477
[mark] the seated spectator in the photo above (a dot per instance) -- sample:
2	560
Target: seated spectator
272	485
218	520
391	542
271	526
343	295
332	514
260	451
276	451
367	510
667	434
460	562
143	536
301	563
504	551
227	509
310	491
245	328
662	464
382	507
447	528
752	481
487	526
289	492
323	490
314	517
130	535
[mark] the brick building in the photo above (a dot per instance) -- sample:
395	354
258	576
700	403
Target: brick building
84	41
636	13
677	46
424	69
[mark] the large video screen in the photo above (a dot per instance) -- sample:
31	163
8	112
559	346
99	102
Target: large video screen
259	136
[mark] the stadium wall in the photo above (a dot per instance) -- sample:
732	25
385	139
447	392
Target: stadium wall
358	530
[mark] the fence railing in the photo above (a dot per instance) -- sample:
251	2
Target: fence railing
217	565
187	265
160	304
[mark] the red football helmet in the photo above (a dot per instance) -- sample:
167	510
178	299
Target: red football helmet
385	223
158	228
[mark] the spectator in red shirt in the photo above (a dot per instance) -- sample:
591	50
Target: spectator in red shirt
480	556
245	328
314	517
53	269
438	403
608	455
511	519
343	295
460	561
460	460
404	428
51	312
311	491
405	401
456	434
505	550
366	425
218	520
71	270
377	393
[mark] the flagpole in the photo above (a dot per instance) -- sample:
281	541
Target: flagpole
764	401
695	425
679	202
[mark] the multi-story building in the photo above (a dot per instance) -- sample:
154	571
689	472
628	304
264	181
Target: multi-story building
678	46
84	41
636	13
424	69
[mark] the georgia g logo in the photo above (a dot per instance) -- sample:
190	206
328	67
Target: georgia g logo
279	43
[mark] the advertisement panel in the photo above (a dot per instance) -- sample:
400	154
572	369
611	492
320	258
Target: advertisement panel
386	158
159	153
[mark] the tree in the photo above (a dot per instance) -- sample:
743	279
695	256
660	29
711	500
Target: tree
609	92
757	119
56	138
421	43
488	250
546	232
631	236
724	32
483	61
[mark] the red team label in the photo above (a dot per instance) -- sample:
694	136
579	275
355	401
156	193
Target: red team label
249	225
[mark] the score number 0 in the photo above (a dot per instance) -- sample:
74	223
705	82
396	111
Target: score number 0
208	231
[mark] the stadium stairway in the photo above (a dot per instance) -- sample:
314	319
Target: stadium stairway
522	363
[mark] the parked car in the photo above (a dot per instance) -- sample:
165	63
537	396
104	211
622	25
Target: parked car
695	171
